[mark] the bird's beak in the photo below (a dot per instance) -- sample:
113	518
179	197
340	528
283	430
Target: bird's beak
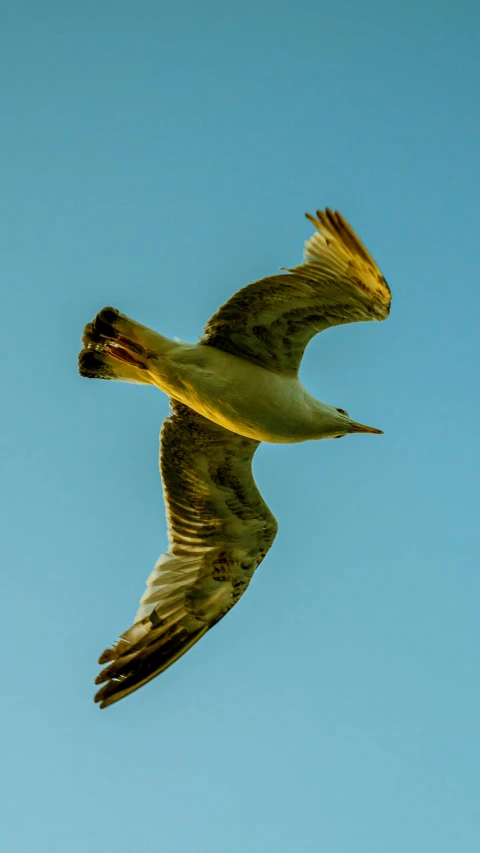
354	427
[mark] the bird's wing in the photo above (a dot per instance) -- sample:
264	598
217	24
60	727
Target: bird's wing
219	530
271	321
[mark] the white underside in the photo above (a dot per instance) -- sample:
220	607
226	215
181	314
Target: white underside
241	396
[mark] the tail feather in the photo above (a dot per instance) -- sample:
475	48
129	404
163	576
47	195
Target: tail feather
97	365
115	347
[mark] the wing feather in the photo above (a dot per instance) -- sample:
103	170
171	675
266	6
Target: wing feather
219	531
271	321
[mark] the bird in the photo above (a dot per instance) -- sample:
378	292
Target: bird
237	387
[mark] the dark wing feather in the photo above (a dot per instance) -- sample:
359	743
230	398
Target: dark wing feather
271	321
219	529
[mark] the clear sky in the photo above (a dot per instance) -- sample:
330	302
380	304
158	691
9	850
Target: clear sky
156	157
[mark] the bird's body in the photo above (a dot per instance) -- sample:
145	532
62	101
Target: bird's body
236	388
239	395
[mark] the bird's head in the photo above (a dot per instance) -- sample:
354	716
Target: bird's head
340	424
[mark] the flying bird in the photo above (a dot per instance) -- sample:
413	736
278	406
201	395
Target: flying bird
237	387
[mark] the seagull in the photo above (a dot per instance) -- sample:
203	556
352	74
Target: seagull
237	387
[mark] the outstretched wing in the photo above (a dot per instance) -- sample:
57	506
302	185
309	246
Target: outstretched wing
219	530
271	321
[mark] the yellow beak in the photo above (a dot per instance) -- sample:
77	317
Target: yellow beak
354	427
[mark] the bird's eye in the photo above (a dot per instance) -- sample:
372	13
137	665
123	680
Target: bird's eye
342	412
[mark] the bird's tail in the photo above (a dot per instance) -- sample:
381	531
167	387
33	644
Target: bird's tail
115	347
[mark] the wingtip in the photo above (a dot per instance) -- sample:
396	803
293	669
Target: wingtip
327	218
103	697
106	656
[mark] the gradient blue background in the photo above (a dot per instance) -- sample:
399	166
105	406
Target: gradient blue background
157	157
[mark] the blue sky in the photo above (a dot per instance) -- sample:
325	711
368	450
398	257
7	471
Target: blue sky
157	157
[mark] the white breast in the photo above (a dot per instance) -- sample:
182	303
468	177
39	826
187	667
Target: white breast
239	395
